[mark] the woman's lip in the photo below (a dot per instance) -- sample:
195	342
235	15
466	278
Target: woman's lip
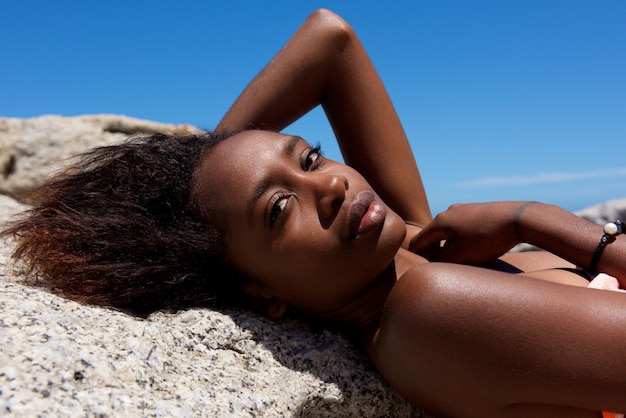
365	215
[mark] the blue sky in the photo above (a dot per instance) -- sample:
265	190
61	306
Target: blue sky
500	99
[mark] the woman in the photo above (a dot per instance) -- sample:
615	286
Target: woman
169	222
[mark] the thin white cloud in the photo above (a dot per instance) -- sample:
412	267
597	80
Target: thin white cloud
540	178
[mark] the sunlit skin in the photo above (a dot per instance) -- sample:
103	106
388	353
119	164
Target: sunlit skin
454	339
290	221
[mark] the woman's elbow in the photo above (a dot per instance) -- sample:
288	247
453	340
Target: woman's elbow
331	26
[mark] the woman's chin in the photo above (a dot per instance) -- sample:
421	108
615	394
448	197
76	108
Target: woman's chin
391	237
397	228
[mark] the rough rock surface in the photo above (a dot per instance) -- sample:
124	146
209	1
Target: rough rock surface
605	212
60	358
31	149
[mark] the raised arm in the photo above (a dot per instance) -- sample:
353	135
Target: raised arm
325	63
477	233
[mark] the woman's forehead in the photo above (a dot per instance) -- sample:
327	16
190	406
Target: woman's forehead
252	147
249	144
235	167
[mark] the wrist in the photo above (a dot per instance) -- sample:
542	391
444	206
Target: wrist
611	231
518	225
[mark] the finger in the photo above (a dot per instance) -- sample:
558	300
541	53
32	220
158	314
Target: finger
447	254
430	253
426	238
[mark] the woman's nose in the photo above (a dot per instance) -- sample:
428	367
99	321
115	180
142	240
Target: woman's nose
330	192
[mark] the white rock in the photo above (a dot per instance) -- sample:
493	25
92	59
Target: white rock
32	149
60	358
605	212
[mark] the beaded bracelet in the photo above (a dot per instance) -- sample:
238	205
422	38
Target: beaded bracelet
611	230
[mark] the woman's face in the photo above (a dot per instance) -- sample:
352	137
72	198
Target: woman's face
309	232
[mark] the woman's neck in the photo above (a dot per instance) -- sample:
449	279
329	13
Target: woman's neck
364	311
365	330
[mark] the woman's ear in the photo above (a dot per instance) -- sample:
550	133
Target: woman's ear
264	302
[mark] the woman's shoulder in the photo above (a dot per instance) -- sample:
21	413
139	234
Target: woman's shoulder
420	344
459	332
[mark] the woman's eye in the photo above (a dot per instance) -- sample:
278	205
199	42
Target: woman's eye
278	207
312	159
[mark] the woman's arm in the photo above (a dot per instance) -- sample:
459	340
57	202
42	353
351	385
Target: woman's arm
325	63
477	233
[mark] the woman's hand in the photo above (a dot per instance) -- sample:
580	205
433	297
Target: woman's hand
470	233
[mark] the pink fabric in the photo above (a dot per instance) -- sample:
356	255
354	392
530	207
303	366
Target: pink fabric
605	282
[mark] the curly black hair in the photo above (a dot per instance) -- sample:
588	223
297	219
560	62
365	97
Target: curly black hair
120	228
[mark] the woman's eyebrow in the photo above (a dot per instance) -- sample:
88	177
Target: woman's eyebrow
288	151
258	192
291	145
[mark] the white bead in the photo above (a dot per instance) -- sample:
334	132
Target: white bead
610	228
